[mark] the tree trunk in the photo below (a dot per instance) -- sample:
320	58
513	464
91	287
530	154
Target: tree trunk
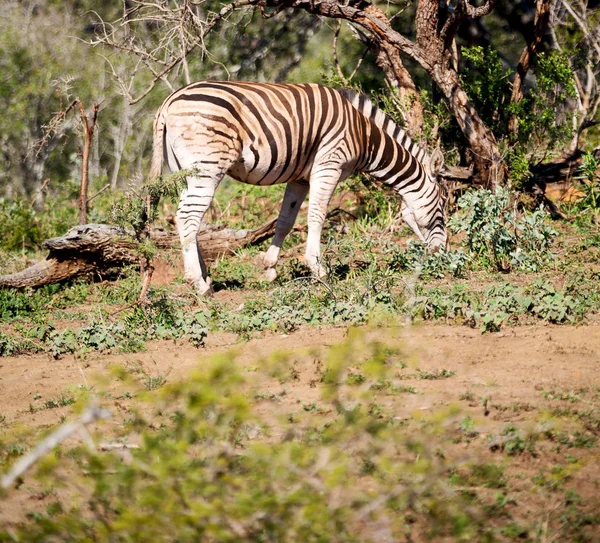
482	142
387	57
100	247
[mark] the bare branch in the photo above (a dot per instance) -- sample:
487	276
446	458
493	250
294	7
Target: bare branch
582	24
178	24
335	53
90	415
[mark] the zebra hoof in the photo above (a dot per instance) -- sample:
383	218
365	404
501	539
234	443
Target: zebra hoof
265	261
318	272
204	288
270	275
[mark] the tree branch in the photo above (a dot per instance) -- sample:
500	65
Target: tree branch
90	415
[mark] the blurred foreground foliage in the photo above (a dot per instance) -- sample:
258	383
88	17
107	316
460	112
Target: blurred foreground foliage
212	464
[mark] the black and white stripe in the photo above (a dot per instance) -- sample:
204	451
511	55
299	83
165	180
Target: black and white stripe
308	136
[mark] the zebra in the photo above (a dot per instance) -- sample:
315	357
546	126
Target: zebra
306	135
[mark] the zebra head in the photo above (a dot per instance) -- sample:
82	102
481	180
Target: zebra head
423	210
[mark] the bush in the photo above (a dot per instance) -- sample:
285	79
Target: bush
589	183
500	237
25	228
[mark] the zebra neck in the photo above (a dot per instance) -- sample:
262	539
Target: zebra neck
389	162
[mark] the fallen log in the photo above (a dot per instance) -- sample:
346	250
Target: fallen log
100	247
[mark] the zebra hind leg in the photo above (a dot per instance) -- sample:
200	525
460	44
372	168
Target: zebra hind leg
295	193
193	204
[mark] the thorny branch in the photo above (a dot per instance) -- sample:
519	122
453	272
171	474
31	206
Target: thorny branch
564	16
52	128
190	36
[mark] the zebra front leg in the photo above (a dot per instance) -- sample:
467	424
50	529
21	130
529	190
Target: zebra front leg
322	185
295	192
193	203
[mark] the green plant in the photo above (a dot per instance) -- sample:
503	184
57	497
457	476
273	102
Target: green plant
553	305
487	84
589	183
499	236
512	442
435	374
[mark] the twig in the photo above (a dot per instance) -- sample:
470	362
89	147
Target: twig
335	54
84	379
99	192
128	306
91	414
116	446
44	185
339	211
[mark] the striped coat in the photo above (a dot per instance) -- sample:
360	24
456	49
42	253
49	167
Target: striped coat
308	136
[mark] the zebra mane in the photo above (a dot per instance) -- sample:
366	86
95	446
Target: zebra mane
363	103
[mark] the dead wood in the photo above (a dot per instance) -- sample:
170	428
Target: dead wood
99	247
561	170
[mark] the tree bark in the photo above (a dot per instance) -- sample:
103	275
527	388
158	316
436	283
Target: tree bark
100	247
88	132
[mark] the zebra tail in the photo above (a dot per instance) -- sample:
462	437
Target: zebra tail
158	146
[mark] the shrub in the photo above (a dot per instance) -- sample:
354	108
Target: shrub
500	237
589	183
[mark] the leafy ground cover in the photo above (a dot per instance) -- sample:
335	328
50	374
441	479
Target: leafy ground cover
506	267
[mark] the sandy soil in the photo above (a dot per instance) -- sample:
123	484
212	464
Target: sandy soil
512	366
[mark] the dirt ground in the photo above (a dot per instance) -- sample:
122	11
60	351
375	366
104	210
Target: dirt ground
515	370
514	365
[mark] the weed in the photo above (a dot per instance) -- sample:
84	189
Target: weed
150	381
355	378
485	475
312	408
392	388
467	396
467	427
61	401
434	375
497	236
53	403
515	531
565	396
577	440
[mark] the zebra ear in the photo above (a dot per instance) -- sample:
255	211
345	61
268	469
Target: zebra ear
436	162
